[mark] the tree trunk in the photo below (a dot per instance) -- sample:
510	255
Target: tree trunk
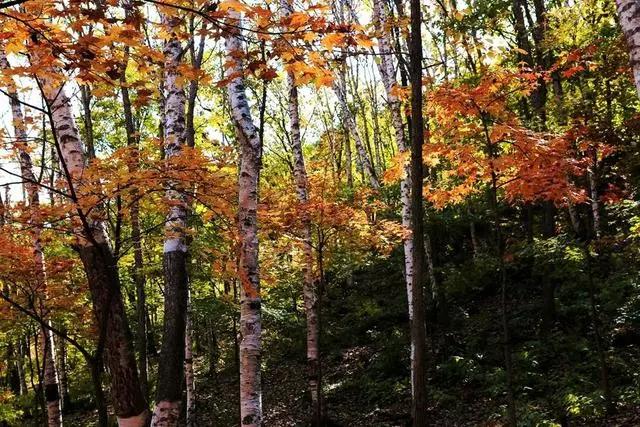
99	264
95	366
21	372
309	291
340	89
62	370
136	237
629	15
171	366
250	164
512	416
418	334
595	201
13	377
189	376
387	71
85	96
30	185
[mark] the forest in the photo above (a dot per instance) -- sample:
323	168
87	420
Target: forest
319	213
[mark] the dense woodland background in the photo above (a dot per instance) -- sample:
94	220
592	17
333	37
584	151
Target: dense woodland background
212	212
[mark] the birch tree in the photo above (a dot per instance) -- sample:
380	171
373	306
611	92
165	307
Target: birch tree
309	288
387	72
93	246
250	163
629	15
170	370
30	184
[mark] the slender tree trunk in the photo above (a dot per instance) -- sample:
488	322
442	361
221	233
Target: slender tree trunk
136	237
629	15
348	157
340	89
418	334
51	386
21	372
85	96
95	367
387	71
51	389
62	370
190	379
99	264
12	375
171	366
40	375
250	164
595	201
512	417
309	291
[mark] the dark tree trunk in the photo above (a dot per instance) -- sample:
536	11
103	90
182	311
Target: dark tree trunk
170	373
101	403
136	237
418	334
102	274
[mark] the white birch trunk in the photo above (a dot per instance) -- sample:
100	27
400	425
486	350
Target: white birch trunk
387	72
340	89
629	15
52	395
250	163
171	368
97	257
309	291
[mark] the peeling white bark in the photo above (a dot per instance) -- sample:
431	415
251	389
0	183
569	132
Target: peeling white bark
92	243
52	394
171	369
629	15
309	291
72	151
387	72
174	140
250	163
340	89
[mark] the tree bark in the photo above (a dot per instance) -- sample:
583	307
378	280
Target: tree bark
387	71
99	262
171	366
190	380
309	291
340	89
85	96
132	13
418	334
61	363
30	185
629	15
250	164
595	200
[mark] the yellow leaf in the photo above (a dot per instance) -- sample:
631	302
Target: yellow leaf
233	5
364	41
310	36
331	40
298	19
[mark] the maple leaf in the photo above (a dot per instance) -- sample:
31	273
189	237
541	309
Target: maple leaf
332	40
233	5
298	19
